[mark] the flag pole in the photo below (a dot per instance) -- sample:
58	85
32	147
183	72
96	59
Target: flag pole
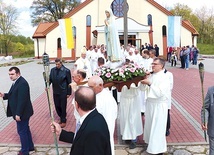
201	73
46	64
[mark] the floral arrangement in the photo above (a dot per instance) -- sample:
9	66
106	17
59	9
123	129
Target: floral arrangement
123	73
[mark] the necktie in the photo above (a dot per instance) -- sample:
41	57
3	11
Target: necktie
77	128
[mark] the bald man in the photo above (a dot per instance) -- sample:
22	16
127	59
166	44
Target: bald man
105	104
92	136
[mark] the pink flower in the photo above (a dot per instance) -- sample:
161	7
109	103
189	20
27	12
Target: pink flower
132	70
108	75
121	71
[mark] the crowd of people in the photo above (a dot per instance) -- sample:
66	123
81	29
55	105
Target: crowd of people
142	109
130	106
185	54
95	107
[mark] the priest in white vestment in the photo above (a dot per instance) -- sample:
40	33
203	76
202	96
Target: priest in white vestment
83	63
105	104
157	88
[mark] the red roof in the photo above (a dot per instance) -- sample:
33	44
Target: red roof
44	28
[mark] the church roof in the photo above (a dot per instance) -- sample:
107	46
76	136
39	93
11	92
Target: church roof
44	28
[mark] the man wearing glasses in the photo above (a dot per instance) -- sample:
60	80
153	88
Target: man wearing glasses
157	87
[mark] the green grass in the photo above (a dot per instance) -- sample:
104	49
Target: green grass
206	49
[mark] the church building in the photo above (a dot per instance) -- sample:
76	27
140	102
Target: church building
148	22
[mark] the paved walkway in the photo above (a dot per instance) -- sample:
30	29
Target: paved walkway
186	135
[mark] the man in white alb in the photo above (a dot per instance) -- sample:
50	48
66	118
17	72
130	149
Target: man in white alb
157	87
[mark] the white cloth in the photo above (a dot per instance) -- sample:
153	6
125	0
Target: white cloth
137	58
107	106
84	64
93	61
170	76
130	113
147	63
156	113
88	54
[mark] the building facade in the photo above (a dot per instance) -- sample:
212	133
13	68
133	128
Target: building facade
147	23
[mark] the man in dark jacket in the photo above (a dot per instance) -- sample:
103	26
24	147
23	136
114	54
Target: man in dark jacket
92	135
20	108
60	78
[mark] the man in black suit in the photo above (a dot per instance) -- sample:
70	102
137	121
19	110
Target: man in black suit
60	78
20	108
92	138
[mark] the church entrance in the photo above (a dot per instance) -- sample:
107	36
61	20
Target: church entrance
131	40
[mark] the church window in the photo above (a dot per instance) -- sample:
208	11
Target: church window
149	19
74	31
88	20
59	43
164	30
117	8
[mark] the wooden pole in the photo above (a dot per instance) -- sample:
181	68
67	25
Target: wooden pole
125	24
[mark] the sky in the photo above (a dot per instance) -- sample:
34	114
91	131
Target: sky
24	20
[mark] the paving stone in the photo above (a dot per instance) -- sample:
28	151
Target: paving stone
14	149
4	149
121	152
196	149
179	147
52	151
144	153
181	152
170	149
39	153
136	150
10	153
42	149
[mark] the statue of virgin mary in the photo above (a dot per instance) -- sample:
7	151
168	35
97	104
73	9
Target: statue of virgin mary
114	51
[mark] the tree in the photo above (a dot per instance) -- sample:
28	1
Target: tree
51	10
202	20
206	30
8	17
186	13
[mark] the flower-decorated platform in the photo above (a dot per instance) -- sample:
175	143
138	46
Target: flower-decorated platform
123	75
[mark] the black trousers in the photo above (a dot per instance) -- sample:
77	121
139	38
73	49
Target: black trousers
168	121
114	92
60	102
183	58
173	62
